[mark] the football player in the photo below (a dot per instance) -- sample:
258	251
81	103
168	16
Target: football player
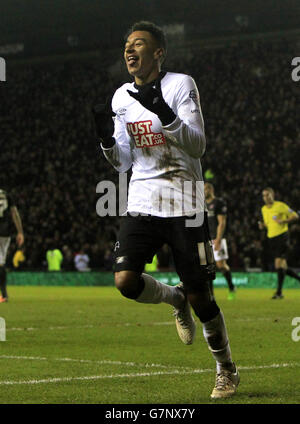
8	214
159	133
217	217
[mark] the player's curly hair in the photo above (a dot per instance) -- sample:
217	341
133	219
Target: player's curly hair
157	33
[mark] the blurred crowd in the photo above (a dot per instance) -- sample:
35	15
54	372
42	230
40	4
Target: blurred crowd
51	161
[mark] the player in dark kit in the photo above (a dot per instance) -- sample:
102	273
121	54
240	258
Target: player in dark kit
8	215
217	214
159	133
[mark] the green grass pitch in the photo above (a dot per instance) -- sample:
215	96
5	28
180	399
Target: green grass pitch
89	345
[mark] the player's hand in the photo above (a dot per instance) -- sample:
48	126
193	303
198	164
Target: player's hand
217	244
20	239
261	225
103	117
152	99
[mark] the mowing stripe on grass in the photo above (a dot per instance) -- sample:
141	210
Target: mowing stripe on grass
171	372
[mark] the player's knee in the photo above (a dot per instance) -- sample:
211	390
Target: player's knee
222	266
204	306
127	283
208	312
124	279
279	263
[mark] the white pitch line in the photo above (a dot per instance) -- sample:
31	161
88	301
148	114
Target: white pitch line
89	361
95	377
61	327
128	324
101	377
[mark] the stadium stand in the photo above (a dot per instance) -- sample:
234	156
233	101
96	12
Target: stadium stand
52	161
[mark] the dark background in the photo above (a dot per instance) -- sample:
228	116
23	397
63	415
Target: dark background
50	26
64	56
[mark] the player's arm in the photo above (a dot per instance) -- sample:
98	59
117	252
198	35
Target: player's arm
220	230
18	224
183	127
291	217
113	136
262	225
119	155
187	130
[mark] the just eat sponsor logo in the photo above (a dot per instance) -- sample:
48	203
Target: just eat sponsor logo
143	135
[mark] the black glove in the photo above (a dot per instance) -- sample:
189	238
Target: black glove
104	123
151	98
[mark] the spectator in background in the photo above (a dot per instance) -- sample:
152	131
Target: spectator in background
108	259
54	258
82	261
68	262
153	266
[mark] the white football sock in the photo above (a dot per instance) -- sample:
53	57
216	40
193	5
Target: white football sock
215	334
157	292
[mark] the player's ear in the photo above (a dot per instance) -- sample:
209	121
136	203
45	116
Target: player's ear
159	53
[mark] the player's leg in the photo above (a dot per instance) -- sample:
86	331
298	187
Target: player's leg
139	239
194	261
223	267
221	256
283	269
3	289
280	267
216	336
143	288
284	241
4	245
291	273
278	246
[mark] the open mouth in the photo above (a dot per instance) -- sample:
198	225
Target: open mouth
132	60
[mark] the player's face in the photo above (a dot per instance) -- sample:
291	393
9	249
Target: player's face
142	55
267	197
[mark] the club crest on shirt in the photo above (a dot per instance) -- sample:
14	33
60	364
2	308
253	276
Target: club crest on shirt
143	135
121	111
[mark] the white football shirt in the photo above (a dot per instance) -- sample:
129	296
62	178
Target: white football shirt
166	176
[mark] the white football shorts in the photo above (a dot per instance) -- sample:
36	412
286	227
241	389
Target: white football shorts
4	245
222	254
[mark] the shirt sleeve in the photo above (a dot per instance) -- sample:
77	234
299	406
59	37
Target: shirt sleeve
221	207
287	210
10	200
119	155
187	130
